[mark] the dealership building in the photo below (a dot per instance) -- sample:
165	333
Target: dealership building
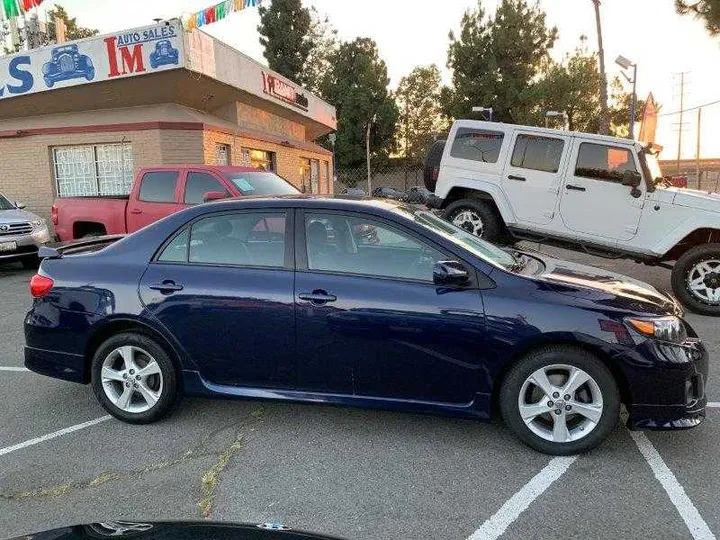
80	119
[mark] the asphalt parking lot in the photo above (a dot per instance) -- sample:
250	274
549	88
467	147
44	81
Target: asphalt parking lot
353	473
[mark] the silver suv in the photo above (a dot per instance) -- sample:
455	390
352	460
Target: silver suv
21	234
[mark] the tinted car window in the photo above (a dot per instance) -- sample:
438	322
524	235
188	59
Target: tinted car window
604	162
198	184
243	239
537	153
177	250
159	186
477	145
261	183
356	245
5	204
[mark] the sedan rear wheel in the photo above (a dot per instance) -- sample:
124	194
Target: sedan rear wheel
560	400
134	378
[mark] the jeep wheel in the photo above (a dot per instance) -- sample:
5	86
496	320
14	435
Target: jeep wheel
696	279
477	217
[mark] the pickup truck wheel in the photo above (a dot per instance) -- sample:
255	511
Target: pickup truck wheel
477	217
696	279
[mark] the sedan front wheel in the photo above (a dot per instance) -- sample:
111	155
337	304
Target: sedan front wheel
560	400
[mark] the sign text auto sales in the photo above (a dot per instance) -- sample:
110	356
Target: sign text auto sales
283	91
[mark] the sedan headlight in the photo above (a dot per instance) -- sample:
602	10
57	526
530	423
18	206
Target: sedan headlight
670	329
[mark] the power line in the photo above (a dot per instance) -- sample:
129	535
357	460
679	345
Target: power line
691	108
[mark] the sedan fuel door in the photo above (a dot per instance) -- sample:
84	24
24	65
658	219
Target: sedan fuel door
597	201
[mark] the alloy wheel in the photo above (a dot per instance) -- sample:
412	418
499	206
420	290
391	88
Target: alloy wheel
703	281
469	221
132	379
560	403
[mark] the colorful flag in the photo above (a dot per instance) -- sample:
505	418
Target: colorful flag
10	8
27	5
209	15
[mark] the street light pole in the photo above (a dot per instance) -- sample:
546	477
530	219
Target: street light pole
367	151
633	104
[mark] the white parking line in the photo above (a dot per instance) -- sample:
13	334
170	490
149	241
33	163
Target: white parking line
10	368
690	515
496	525
54	435
713	404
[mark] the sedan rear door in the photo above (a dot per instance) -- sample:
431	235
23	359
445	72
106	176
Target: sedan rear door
223	286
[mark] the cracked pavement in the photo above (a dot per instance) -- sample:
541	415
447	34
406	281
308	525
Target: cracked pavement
353	473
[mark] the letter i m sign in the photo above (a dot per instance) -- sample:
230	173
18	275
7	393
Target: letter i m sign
130	58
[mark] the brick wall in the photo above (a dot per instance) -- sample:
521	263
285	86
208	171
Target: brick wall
288	160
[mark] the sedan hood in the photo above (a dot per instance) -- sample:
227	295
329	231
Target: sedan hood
607	289
16	216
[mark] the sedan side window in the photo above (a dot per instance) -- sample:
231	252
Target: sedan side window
357	245
243	239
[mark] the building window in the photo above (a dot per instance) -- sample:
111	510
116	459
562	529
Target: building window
93	170
222	154
310	174
260	159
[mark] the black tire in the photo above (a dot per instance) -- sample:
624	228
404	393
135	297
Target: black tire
169	395
493	227
431	168
681	272
559	354
31	263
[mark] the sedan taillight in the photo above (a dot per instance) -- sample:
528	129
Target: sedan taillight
40	286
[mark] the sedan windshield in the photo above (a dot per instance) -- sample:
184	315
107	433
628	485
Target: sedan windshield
5	204
261	183
486	251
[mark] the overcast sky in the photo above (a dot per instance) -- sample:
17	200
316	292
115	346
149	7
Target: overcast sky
415	32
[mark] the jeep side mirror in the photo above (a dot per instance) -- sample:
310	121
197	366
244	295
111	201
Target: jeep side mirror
450	273
631	179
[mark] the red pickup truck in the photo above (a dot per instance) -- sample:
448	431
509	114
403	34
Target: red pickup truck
158	192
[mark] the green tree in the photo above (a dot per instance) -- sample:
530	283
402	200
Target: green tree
284	29
707	10
572	86
72	30
357	84
496	60
323	44
418	101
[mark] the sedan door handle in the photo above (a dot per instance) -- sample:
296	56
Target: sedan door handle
317	297
518	178
574	187
166	287
136	211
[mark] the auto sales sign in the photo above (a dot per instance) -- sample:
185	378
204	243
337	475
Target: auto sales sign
100	58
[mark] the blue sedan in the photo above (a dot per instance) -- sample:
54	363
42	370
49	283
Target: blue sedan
365	303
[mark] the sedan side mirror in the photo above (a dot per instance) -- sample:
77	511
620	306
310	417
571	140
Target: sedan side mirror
450	273
19	205
214	196
631	179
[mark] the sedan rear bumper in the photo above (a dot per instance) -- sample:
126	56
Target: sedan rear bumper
60	365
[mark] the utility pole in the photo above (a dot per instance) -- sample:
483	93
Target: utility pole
682	104
367	150
697	149
604	115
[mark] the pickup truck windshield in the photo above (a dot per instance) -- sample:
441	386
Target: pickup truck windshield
261	183
488	252
5	204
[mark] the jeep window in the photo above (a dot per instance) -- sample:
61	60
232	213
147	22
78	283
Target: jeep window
477	145
604	162
537	153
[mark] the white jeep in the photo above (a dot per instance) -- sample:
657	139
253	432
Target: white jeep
602	195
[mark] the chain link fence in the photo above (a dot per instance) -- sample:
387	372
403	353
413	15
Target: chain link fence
397	176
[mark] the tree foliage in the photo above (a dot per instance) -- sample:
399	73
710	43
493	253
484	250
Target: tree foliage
357	84
72	30
323	44
284	33
418	100
707	10
496	60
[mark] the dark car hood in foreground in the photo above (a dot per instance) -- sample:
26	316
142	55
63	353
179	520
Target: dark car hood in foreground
606	288
197	530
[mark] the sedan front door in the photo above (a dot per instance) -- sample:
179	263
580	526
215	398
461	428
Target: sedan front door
371	322
223	287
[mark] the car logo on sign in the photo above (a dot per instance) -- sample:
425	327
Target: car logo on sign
4	227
